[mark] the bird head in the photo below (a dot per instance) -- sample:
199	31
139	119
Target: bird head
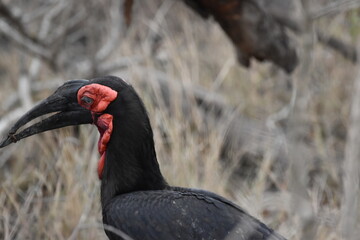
75	102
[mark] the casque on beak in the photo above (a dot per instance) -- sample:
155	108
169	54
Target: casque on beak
64	102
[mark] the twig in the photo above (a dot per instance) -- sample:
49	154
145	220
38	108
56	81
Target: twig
6	155
27	43
118	64
109	228
65	29
334	7
118	232
346	50
35	87
350	201
298	156
10	101
24	209
15	22
13	27
220	78
154	25
10	118
115	30
84	215
284	113
46	24
25	91
28	17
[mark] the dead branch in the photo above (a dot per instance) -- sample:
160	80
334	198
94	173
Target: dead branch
67	28
351	171
243	138
13	28
116	23
24	90
346	50
117	64
35	88
334	8
16	23
291	15
24	42
10	118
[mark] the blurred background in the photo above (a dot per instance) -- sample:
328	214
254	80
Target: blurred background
256	100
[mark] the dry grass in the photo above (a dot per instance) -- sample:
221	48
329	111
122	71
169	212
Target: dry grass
48	183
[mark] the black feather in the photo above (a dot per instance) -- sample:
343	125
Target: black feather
137	200
180	213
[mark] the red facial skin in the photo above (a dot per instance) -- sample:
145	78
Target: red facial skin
101	95
96	98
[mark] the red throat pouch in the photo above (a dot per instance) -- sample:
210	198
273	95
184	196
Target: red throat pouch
104	124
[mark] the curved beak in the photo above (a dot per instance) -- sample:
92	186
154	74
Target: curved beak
64	102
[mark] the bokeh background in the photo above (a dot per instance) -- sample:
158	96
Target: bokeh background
284	146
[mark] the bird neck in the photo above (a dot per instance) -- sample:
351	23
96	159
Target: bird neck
130	161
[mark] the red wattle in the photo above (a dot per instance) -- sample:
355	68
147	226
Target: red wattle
104	124
101	164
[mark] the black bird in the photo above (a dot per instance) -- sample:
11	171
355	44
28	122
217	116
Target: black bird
135	198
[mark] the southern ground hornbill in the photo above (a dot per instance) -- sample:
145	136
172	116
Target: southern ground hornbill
135	198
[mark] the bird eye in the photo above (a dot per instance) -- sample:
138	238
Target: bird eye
87	100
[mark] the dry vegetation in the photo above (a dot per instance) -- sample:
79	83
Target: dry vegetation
293	142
